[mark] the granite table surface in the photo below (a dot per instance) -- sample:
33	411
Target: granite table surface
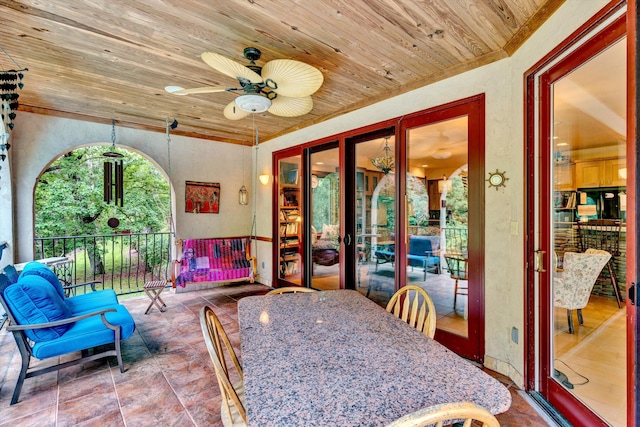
335	358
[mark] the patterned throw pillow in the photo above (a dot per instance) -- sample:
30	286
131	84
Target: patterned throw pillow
330	231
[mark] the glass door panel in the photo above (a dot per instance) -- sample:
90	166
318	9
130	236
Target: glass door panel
289	219
438	218
375	225
588	216
325	217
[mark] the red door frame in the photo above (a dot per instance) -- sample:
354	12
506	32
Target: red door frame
565	402
633	154
472	346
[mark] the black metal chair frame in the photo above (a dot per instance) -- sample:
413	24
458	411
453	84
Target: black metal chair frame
603	234
25	345
457	264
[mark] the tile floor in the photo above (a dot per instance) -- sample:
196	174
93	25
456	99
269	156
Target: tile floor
169	378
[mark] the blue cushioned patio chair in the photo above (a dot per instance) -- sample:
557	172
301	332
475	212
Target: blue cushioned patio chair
45	325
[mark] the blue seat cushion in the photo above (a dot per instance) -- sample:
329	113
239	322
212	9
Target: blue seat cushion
39	269
34	300
91	301
88	333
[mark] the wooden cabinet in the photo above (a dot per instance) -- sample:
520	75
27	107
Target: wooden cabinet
601	173
564	177
615	172
371	180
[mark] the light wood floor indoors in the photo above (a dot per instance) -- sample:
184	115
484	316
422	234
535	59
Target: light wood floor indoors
169	379
594	357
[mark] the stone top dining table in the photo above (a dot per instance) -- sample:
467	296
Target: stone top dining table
335	358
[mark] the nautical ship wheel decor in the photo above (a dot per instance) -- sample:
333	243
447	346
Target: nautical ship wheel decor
497	179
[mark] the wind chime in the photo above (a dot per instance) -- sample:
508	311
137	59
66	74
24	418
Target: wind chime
10	82
113	188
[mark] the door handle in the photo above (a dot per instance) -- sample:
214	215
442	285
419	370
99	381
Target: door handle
347	239
632	293
539	262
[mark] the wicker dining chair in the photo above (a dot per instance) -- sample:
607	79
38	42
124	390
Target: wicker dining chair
232	408
416	308
290	290
463	413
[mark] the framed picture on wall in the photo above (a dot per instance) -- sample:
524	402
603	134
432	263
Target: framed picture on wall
202	197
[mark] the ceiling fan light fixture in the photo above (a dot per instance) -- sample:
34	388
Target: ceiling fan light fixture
253	103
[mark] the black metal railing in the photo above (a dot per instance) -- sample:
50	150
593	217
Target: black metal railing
456	240
122	262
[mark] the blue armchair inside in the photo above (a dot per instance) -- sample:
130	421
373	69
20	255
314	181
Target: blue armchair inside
423	252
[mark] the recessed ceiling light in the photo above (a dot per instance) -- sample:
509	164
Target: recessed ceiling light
561	144
319	163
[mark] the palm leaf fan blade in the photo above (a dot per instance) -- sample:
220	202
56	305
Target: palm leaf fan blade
176	90
233	112
290	107
295	79
230	67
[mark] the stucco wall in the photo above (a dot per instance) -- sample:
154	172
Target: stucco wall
37	140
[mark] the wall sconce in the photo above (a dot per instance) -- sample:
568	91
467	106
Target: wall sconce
243	195
264	179
444	185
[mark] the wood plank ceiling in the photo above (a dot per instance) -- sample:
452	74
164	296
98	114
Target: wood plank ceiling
99	60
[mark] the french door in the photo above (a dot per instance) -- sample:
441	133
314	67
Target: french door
447	145
582	222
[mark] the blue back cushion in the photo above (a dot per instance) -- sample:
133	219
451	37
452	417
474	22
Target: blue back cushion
34	300
36	268
420	245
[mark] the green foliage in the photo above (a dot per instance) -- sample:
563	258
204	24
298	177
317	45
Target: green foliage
69	199
69	202
325	202
457	204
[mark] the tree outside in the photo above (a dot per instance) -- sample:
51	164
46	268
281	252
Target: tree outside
69	202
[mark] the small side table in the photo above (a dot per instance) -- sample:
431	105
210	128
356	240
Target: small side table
153	290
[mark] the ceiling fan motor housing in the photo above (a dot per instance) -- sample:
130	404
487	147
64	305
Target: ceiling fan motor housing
252	53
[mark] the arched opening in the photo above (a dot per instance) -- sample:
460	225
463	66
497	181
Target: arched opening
121	245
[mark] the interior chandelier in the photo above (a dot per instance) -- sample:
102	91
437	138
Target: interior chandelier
385	160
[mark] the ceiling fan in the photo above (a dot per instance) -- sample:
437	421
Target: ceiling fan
282	87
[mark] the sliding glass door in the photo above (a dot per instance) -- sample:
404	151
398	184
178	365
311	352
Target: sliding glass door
582	229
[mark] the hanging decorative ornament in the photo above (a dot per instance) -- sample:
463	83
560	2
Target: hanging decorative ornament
113	173
10	83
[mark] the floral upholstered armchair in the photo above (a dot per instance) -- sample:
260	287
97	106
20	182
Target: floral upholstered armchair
572	286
